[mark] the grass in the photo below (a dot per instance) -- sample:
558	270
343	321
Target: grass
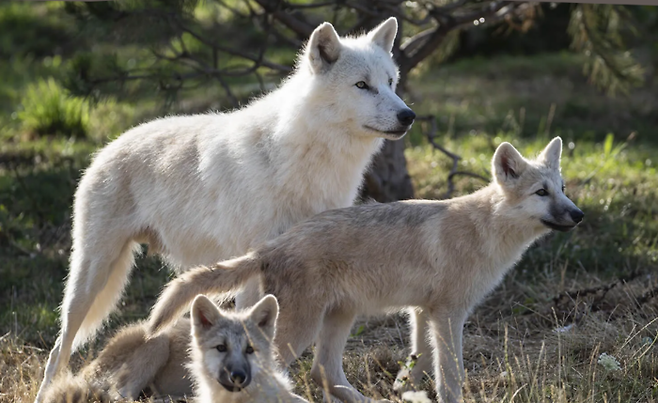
537	338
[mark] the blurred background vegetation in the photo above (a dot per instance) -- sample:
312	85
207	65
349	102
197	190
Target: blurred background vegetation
76	75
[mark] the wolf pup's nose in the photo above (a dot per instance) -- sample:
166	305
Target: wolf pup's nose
576	215
406	117
238	377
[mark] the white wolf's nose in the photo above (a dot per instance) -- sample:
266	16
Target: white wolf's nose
406	117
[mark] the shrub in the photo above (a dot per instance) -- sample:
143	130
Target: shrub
49	110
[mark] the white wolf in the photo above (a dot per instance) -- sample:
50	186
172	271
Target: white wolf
232	356
243	371
439	258
203	188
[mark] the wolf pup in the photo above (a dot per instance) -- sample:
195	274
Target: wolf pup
438	257
232	357
130	364
231	360
203	188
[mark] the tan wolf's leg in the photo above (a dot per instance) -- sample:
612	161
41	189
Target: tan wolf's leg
420	362
447	330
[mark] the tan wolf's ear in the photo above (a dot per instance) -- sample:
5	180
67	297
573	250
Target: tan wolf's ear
384	34
205	313
265	313
507	164
323	48
552	153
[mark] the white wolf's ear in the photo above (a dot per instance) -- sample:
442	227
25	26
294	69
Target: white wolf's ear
507	163
384	34
205	313
323	47
264	314
550	156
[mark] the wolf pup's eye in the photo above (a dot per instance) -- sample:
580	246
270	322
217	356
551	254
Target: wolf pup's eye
390	82
362	85
541	192
221	348
249	350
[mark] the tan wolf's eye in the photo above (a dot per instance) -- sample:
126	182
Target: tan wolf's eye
362	85
249	350
541	192
221	348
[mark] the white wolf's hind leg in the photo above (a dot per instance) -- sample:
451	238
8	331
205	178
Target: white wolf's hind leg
92	290
419	364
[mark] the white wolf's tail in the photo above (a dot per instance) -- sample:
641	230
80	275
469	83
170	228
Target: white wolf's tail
223	277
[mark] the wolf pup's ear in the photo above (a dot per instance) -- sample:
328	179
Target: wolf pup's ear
264	314
550	156
384	34
508	163
323	48
205	314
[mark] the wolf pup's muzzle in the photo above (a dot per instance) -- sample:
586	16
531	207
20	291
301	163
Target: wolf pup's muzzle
235	379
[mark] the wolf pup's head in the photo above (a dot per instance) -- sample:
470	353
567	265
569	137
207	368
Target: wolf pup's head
354	79
534	189
232	347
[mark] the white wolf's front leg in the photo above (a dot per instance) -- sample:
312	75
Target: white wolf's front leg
419	363
249	295
447	329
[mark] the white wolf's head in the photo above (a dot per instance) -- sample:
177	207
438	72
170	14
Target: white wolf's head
231	348
534	189
354	80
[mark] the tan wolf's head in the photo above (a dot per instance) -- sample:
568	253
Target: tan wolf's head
534	189
232	347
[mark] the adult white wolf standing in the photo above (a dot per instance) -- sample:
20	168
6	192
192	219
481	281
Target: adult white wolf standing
203	188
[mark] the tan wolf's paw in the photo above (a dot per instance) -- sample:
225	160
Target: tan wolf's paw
404	381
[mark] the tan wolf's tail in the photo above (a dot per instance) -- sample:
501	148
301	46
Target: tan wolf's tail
223	277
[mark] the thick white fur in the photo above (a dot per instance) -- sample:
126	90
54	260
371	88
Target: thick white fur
203	188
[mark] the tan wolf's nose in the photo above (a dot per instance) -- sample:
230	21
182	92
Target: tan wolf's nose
576	215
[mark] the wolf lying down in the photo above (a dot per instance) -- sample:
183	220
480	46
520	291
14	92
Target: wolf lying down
231	361
437	258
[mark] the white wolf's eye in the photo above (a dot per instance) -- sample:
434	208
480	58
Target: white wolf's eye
390	82
221	348
249	350
362	85
541	192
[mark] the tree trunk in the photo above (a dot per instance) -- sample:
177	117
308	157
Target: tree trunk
388	179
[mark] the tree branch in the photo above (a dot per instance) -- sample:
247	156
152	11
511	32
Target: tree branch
432	134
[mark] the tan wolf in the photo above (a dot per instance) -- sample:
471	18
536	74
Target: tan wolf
203	188
231	360
439	258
